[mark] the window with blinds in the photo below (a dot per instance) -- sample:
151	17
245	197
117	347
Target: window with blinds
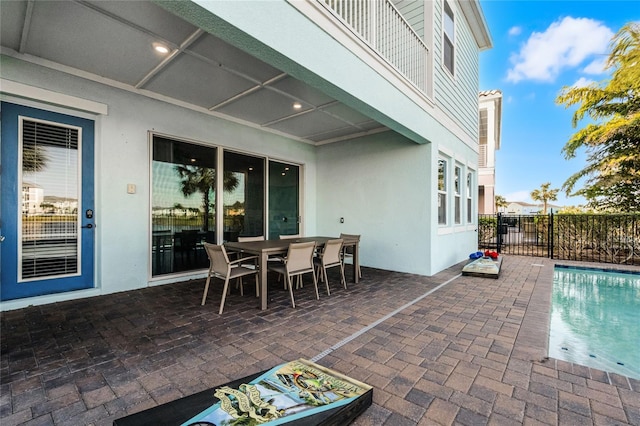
49	243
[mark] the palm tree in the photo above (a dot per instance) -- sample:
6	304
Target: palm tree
500	201
203	180
179	207
545	195
34	158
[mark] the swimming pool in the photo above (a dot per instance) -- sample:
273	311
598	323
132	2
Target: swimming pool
595	319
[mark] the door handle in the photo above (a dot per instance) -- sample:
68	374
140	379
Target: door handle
89	226
1	238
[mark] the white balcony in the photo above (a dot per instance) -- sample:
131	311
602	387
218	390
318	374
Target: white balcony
381	26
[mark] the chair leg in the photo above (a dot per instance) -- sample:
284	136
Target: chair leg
315	284
206	290
224	295
293	302
344	281
257	287
241	284
326	280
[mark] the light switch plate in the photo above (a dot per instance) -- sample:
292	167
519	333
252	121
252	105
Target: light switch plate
131	188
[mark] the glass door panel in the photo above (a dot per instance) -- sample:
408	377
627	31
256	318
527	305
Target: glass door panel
183	205
243	196
49	237
284	199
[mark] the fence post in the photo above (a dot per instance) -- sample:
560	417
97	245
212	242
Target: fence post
550	233
499	233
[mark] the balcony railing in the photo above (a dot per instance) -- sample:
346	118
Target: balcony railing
380	25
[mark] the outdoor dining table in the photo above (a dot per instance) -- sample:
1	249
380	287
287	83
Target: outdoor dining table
266	248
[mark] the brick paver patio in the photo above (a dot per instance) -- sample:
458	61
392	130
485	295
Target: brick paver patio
446	349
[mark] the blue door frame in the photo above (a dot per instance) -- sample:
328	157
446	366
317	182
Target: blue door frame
10	208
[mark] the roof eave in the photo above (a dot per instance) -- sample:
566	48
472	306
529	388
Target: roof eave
475	17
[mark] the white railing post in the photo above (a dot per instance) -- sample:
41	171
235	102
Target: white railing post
384	29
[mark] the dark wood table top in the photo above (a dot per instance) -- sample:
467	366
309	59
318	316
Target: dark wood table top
280	246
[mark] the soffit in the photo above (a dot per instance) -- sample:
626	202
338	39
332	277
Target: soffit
113	41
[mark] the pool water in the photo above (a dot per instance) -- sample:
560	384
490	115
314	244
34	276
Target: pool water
595	319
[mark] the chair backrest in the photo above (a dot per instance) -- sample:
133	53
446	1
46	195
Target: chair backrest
245	239
300	256
288	237
218	257
349	250
350	237
331	251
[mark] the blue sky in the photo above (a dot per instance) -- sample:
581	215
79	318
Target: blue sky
539	47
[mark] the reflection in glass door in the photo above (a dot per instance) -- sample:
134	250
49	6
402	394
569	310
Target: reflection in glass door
243	196
284	201
183	205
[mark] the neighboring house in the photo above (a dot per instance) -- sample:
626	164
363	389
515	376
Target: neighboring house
523	208
489	143
32	198
318	117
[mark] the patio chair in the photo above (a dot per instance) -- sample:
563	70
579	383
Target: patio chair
221	267
280	258
244	239
254	259
348	251
289	237
329	257
299	261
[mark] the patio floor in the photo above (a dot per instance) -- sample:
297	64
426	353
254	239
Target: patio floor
446	349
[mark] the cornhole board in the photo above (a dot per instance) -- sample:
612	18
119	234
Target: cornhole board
299	393
483	267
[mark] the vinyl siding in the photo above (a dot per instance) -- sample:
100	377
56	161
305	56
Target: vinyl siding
413	12
457	96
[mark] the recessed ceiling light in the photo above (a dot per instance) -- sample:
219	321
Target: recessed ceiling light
297	105
160	48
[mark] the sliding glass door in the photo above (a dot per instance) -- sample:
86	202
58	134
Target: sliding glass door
190	207
243	196
284	199
183	205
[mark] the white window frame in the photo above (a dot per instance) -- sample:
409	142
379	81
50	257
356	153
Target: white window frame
443	190
470	197
457	194
448	35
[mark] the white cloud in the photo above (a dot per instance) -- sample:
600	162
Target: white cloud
514	31
583	82
565	44
597	66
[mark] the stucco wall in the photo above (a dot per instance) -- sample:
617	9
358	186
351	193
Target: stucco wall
381	186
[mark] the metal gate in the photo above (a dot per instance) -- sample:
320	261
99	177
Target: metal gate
605	238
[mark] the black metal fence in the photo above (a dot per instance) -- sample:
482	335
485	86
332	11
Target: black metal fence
605	238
